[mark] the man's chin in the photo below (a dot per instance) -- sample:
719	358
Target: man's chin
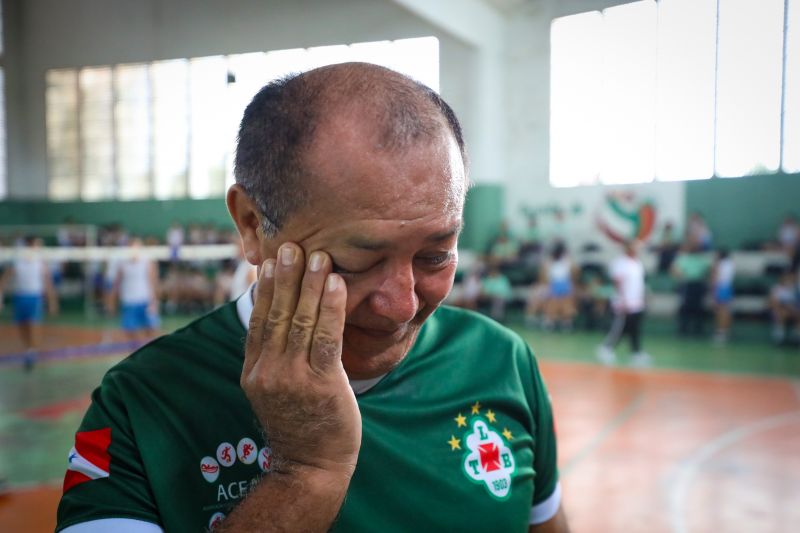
366	357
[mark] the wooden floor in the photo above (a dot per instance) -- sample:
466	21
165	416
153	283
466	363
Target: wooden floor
655	450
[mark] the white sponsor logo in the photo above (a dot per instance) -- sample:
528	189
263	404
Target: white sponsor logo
247	451
209	467
226	454
265	459
215	520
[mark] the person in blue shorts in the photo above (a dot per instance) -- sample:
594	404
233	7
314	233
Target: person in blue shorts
31	283
722	275
135	282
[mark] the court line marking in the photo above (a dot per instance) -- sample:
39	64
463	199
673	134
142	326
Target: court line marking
688	470
74	352
610	427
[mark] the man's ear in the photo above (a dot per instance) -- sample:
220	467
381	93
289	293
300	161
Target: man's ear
246	216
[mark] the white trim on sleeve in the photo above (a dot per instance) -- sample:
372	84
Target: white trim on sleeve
544	511
117	525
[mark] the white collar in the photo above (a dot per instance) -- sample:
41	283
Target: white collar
244	308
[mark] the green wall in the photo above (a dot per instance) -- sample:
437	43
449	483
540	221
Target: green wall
744	210
144	218
483	212
739	211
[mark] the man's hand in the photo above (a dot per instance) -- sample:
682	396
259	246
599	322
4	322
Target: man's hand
293	374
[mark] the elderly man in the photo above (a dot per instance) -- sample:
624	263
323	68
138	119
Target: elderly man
336	393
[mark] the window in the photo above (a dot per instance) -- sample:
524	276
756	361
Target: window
675	90
3	172
167	129
791	91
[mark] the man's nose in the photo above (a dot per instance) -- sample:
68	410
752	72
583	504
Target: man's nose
396	299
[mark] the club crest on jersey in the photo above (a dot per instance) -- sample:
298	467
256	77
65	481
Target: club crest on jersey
486	459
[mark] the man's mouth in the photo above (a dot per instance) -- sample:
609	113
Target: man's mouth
381	333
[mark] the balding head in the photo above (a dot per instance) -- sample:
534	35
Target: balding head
281	125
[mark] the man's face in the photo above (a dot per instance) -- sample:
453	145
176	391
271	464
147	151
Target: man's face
390	223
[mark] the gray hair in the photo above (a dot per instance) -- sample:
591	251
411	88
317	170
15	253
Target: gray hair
278	127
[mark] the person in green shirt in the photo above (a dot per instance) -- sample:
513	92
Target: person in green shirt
692	269
336	393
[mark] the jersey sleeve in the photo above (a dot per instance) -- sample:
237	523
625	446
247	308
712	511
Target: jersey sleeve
545	456
105	476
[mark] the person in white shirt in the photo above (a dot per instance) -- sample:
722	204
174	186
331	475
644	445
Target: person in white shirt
627	273
722	275
559	273
135	286
31	283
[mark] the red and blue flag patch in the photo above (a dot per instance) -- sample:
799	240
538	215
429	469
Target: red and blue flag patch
89	458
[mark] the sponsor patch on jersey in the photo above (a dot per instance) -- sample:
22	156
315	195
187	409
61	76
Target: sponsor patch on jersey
209	467
247	451
486	457
265	459
226	454
89	458
215	520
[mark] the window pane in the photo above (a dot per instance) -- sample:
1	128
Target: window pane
210	132
3	172
417	58
685	96
628	92
251	72
791	118
96	134
327	55
61	100
574	99
132	122
749	86
170	127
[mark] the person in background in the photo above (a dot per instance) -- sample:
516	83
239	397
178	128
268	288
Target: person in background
627	272
785	309
691	269
594	299
243	275
504	250
559	274
175	238
722	274
789	235
531	243
471	286
135	286
496	288
667	249
31	284
698	234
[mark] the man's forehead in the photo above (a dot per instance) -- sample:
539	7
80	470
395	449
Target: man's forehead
378	243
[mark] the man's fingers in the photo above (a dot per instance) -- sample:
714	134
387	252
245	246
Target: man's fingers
305	316
326	347
261	305
288	274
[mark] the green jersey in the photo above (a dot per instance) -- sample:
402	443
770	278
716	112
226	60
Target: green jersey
458	437
693	267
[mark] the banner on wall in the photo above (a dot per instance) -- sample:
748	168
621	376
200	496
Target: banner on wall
624	215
